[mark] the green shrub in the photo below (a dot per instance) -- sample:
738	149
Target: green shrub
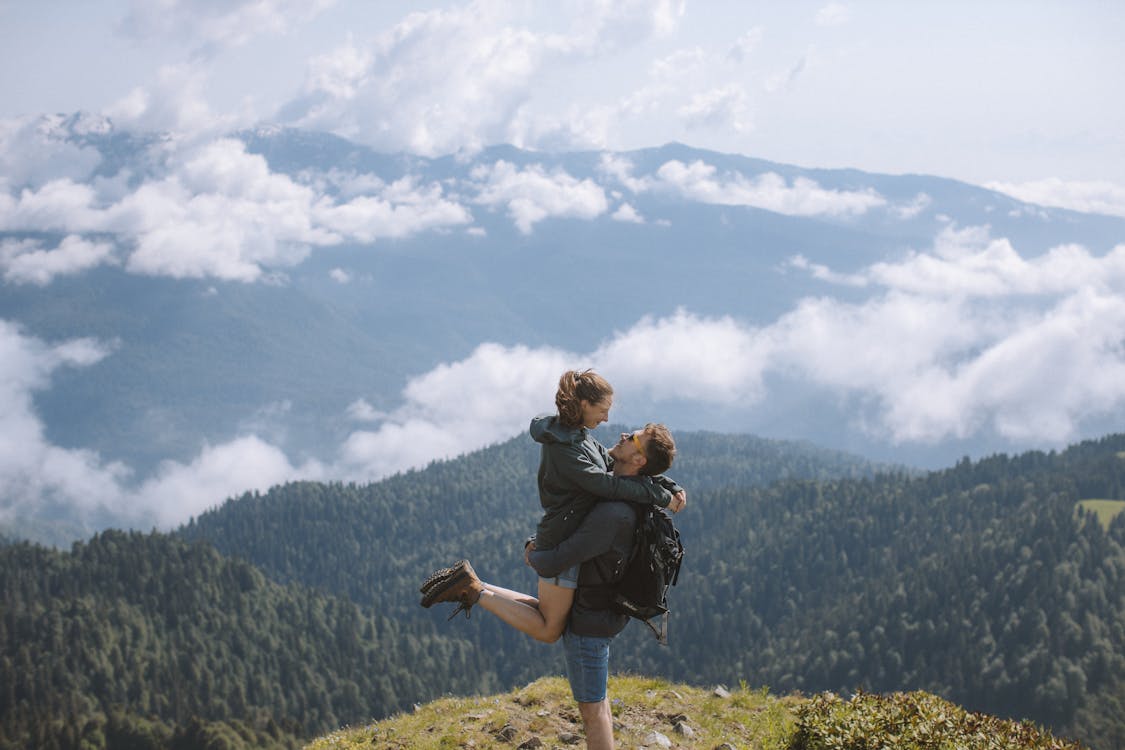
910	721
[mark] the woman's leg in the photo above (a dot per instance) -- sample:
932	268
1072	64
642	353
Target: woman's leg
544	619
516	596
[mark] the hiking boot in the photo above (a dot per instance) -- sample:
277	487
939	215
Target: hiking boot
460	585
441	573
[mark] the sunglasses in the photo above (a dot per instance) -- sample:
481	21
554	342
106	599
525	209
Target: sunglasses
636	441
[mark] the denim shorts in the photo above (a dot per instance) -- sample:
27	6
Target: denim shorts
587	666
568	579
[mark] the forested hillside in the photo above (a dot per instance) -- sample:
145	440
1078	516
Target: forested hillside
145	641
983	583
150	641
979	583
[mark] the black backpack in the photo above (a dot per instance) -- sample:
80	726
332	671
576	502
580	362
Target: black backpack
652	568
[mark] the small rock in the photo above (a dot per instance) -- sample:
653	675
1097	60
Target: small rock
721	692
569	738
656	739
507	733
677	718
531	744
684	730
725	746
542	712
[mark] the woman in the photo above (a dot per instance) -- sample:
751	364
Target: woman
574	473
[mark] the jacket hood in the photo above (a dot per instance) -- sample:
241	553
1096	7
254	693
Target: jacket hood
546	428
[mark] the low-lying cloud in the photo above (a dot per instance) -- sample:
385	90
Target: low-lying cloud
532	194
217	212
966	339
701	182
209	208
1088	197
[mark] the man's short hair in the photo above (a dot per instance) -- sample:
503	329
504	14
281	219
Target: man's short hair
659	451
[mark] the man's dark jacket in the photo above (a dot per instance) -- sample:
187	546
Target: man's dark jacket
602	544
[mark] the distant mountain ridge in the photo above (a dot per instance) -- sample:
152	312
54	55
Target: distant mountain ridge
196	362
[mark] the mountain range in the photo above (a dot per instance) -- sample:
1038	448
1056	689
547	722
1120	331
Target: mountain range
375	311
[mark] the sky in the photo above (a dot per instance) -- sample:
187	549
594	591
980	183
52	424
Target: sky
967	336
1027	94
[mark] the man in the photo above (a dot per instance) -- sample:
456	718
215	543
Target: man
602	544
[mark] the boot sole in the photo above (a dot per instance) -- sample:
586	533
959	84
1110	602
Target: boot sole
443	585
438	575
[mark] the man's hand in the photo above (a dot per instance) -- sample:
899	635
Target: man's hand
527	548
679	500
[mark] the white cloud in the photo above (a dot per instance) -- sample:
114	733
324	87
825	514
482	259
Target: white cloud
966	339
176	102
702	182
26	262
914	208
969	263
727	359
461	77
33	151
1088	197
972	338
362	411
179	491
35	474
218	211
33	471
458	407
403	209
824	273
620	169
532	194
340	74
626	213
222	214
725	106
436	82
803	197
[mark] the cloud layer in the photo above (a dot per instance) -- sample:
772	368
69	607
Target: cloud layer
1088	197
212	211
207	208
968	338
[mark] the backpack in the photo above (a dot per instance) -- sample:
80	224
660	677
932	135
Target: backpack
653	567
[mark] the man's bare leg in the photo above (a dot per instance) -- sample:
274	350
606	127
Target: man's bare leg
598	722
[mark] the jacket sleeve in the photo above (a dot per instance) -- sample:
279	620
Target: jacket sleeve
667	483
575	466
592	538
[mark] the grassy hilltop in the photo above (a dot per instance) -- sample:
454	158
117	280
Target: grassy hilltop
654	713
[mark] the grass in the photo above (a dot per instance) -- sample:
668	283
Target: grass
543	714
1106	510
546	710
